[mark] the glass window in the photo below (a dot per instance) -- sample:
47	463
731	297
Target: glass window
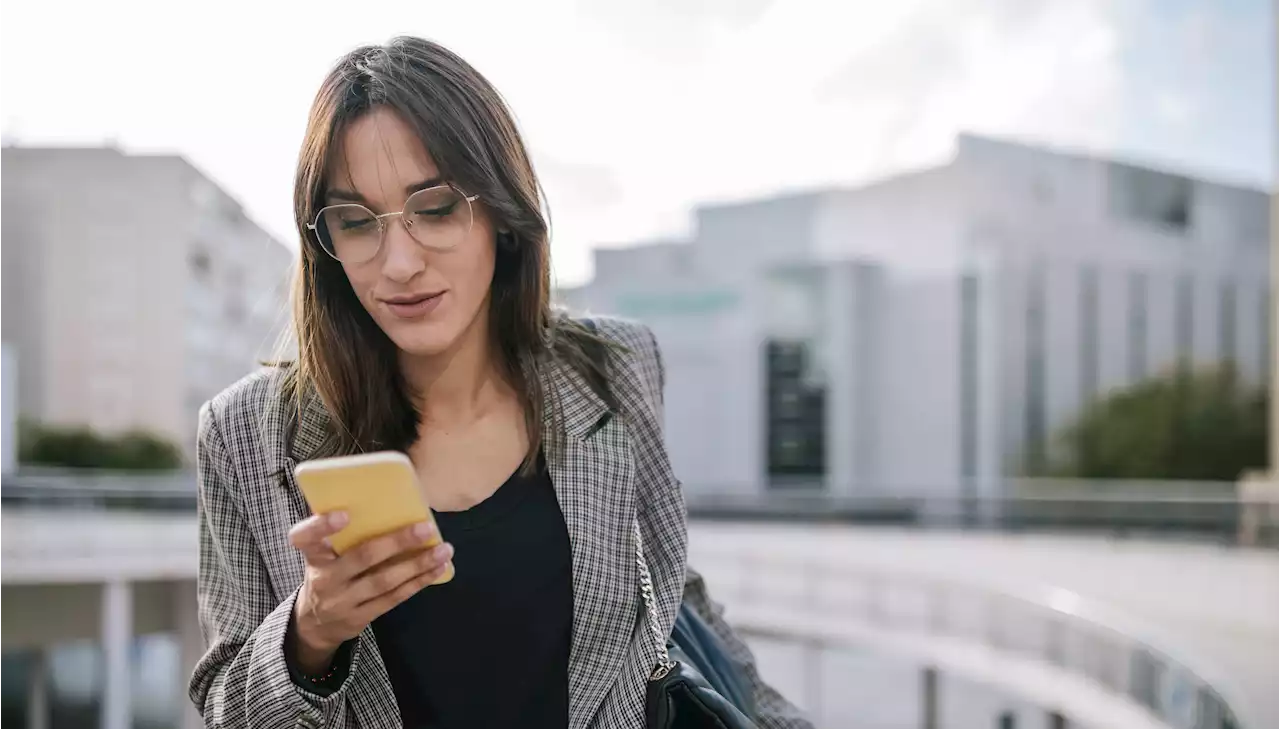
1184	312
795	416
1088	334
1137	326
1227	322
1266	312
1151	197
969	376
200	263
1034	414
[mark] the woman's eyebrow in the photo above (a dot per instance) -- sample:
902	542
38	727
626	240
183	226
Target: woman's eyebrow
340	194
349	196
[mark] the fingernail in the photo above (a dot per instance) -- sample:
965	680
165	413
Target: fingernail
338	519
444	551
424	530
327	542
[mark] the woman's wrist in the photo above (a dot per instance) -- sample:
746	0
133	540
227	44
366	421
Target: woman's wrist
313	662
312	657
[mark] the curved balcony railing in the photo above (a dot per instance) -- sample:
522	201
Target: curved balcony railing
1210	510
1055	626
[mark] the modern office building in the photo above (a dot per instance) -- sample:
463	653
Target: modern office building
929	333
134	288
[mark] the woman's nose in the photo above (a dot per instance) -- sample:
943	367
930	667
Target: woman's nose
405	257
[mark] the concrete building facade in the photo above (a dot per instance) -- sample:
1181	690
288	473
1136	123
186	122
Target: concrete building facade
930	333
134	288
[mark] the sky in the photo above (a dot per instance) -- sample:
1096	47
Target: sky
637	112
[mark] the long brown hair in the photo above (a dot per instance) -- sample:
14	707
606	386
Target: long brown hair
344	358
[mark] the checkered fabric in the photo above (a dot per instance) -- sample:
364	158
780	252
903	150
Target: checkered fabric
607	471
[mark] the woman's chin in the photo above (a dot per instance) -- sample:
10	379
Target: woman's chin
424	340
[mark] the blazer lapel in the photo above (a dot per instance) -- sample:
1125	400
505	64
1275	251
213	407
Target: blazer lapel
371	699
591	465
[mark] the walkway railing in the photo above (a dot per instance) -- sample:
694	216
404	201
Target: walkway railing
1197	510
1212	516
1056	627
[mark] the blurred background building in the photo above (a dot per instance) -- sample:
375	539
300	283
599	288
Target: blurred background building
934	329
134	289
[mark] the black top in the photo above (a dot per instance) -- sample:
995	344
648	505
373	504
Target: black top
491	647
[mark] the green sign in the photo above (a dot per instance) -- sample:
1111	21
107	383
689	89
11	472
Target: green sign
675	303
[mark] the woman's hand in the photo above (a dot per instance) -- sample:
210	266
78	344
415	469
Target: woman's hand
340	595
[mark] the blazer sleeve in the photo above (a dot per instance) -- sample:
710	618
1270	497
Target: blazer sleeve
243	680
773	711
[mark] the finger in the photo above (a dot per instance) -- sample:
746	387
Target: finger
316	527
390	576
380	605
311	536
378	550
320	554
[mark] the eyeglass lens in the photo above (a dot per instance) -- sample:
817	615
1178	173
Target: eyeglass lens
438	217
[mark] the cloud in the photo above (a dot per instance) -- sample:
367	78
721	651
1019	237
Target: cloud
1174	108
1038	70
810	93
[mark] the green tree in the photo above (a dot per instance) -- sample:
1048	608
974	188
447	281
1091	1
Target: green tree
1203	425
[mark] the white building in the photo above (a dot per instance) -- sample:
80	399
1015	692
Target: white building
948	320
134	288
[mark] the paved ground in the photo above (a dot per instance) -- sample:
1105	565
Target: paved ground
1213	607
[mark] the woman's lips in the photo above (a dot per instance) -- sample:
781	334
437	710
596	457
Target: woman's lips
414	308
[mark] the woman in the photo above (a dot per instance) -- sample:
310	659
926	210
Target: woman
423	325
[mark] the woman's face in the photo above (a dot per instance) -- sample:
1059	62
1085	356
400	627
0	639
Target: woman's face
423	298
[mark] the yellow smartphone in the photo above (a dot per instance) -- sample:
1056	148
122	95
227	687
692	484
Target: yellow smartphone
378	491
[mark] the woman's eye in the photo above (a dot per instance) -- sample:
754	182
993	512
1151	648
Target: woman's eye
436	212
357	223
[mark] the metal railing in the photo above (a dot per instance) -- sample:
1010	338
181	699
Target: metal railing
1183	510
1210	517
1056	627
64	488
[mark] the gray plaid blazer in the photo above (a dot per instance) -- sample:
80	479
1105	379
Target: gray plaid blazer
606	470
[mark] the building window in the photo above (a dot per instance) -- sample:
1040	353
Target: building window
1137	326
1034	414
969	378
1184	317
789	404
1266	310
1227	323
200	263
1088	334
795	417
1151	197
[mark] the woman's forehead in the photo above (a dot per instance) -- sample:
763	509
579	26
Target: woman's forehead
378	156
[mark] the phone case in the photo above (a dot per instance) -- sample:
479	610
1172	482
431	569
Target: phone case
379	492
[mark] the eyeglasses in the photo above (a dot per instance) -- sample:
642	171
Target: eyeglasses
438	217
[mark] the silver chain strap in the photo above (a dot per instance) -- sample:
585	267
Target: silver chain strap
665	664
